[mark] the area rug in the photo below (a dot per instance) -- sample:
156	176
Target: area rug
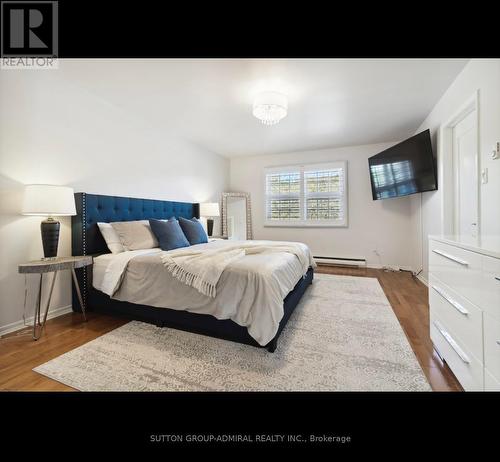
343	336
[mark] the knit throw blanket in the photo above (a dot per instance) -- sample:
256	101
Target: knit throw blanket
201	269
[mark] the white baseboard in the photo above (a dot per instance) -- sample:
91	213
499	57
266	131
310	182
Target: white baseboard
380	266
53	313
403	268
394	267
423	280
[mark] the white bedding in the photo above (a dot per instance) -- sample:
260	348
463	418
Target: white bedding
109	269
250	290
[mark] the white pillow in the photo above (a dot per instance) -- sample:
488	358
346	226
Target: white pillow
111	237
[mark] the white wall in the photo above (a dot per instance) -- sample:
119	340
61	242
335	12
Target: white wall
384	226
482	74
53	131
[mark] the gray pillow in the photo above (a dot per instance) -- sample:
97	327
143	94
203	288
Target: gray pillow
135	235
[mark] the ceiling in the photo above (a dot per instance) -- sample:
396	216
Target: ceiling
332	102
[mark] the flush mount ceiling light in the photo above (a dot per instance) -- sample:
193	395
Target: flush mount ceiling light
270	107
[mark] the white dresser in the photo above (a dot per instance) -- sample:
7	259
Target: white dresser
464	300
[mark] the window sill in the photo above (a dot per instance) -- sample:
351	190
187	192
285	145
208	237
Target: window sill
304	225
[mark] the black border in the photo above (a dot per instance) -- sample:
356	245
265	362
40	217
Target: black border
403	424
152	29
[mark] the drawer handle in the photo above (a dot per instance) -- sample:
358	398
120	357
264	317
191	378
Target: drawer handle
452	343
451	257
452	302
498	342
497	278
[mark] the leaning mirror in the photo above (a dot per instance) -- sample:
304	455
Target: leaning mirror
236	216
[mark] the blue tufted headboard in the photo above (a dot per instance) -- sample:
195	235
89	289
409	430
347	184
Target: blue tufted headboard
86	239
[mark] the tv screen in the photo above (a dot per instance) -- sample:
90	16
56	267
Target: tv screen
403	169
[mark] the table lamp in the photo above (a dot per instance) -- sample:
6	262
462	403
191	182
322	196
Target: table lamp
50	201
209	210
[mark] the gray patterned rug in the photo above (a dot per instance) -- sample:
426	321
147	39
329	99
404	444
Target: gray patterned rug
343	336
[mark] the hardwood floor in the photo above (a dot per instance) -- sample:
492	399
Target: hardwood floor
19	354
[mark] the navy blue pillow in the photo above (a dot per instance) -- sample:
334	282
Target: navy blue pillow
169	234
193	230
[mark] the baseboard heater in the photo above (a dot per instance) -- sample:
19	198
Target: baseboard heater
340	261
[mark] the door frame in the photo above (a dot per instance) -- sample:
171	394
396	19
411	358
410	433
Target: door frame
446	166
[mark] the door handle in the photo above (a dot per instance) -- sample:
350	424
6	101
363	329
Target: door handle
497	278
451	257
452	343
450	300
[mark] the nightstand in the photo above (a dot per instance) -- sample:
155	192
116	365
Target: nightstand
53	265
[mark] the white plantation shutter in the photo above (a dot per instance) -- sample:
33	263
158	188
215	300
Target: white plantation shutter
283	193
307	195
324	192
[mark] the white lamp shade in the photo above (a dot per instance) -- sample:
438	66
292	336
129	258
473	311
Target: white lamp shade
209	209
48	200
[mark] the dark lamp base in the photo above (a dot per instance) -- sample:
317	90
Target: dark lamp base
210	226
50	237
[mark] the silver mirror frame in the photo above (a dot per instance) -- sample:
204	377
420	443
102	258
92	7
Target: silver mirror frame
224	196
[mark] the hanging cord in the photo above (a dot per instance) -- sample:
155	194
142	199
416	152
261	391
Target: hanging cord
421	238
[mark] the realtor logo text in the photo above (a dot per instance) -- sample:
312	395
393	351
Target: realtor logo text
29	38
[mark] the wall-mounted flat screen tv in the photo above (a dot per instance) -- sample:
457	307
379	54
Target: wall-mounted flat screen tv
405	168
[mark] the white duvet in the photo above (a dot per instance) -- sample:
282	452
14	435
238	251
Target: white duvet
250	290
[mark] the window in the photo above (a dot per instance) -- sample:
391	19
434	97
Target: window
306	195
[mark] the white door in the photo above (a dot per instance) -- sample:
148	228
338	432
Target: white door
466	182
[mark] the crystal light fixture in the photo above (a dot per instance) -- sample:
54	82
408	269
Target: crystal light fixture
270	107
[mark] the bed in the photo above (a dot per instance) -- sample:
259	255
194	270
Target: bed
136	303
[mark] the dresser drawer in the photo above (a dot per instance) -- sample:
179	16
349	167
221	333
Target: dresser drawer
458	268
490	383
457	315
492	345
490	293
466	367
